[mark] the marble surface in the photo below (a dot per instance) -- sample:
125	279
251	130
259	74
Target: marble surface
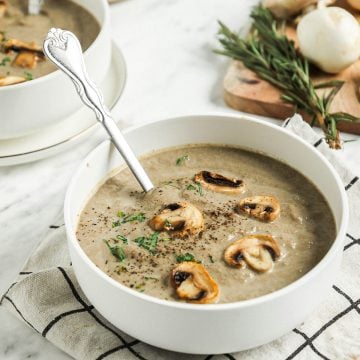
172	71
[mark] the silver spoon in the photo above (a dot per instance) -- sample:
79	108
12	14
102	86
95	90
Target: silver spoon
34	6
64	50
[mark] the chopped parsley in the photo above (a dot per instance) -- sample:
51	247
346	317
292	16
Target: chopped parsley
186	257
139	286
211	259
181	160
5	60
148	243
122	238
140	217
116	251
196	187
28	76
167	224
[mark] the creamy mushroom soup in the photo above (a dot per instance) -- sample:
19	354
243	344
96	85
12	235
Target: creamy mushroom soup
22	36
222	225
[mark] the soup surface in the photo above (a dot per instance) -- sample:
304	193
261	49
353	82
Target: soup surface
117	217
17	24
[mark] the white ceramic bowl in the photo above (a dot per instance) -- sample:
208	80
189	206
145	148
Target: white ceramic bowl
32	105
216	328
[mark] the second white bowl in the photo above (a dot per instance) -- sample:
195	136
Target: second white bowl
32	105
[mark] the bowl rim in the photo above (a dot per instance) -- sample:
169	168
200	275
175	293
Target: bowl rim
333	250
57	72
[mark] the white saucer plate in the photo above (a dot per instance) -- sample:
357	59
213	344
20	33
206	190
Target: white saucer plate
72	130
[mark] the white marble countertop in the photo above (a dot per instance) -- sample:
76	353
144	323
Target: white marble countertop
172	71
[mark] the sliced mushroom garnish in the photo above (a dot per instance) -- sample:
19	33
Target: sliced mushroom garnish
193	283
181	219
258	251
11	80
3	8
219	183
265	208
27	59
19	46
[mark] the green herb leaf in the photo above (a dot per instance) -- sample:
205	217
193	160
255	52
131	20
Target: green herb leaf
140	217
116	223
139	286
197	187
116	251
5	61
122	238
181	160
167	224
148	243
120	214
186	257
28	76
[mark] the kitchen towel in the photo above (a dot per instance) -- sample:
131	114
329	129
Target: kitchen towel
47	297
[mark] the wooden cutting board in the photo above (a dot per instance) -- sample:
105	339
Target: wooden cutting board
245	91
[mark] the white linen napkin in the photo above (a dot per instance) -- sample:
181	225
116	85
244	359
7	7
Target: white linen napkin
47	297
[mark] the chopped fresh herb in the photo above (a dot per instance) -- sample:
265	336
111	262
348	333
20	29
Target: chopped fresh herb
116	251
128	218
167	239
5	60
186	257
116	223
167	224
28	76
120	269
151	278
139	286
148	243
122	238
181	160
140	217
120	214
211	259
197	187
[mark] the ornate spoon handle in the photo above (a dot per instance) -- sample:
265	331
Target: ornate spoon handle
64	50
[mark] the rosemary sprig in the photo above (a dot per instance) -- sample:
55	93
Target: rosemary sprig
274	58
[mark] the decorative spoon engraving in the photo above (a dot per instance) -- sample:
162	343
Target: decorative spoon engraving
64	50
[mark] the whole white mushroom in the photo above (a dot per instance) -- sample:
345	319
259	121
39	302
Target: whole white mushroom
330	38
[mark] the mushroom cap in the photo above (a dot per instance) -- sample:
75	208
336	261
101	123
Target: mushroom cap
264	208
219	183
257	251
27	59
10	80
193	283
19	46
180	219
